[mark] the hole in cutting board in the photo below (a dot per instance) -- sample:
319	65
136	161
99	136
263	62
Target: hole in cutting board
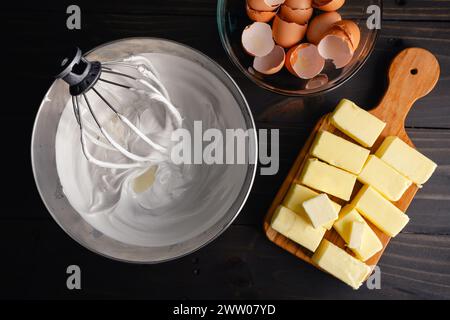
414	71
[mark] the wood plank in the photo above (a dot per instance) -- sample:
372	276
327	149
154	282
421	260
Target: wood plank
418	10
366	88
241	264
404	89
429	211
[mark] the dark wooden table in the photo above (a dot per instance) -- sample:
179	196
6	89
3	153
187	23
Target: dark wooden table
241	264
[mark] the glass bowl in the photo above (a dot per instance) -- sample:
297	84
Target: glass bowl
232	19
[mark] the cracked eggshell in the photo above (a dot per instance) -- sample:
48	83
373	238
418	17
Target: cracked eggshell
287	34
299	16
264	5
336	46
328	5
288	61
306	62
320	25
272	63
257	39
299	4
260	16
352	30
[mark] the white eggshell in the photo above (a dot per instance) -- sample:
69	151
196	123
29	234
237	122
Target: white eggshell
272	63
306	61
336	46
257	39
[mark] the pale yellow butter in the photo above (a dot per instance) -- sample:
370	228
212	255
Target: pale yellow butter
297	228
320	211
384	178
145	180
340	264
356	235
339	152
381	212
357	123
298	194
323	177
406	160
370	244
283	220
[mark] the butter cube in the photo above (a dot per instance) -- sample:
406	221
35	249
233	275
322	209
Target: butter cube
297	195
339	152
320	210
384	178
370	244
356	234
297	228
283	220
341	265
357	123
323	177
381	212
406	160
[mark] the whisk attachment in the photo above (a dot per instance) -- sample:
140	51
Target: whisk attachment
83	76
79	73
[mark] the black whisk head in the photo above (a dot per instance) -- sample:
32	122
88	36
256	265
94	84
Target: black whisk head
79	73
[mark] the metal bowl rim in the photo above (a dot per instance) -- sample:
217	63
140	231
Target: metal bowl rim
252	167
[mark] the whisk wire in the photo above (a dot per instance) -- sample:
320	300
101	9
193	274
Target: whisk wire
117	73
113	142
132	127
115	83
84	148
147	84
155	95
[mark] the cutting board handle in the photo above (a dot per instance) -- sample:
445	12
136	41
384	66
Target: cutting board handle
412	75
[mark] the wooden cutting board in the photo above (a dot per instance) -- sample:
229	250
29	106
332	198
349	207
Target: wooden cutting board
412	75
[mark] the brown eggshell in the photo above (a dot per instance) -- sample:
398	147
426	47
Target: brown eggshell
287	34
260	16
352	31
291	56
328	5
299	4
320	25
299	16
336	46
272	63
264	5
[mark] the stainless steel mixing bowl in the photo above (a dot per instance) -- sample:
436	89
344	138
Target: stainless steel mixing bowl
47	180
